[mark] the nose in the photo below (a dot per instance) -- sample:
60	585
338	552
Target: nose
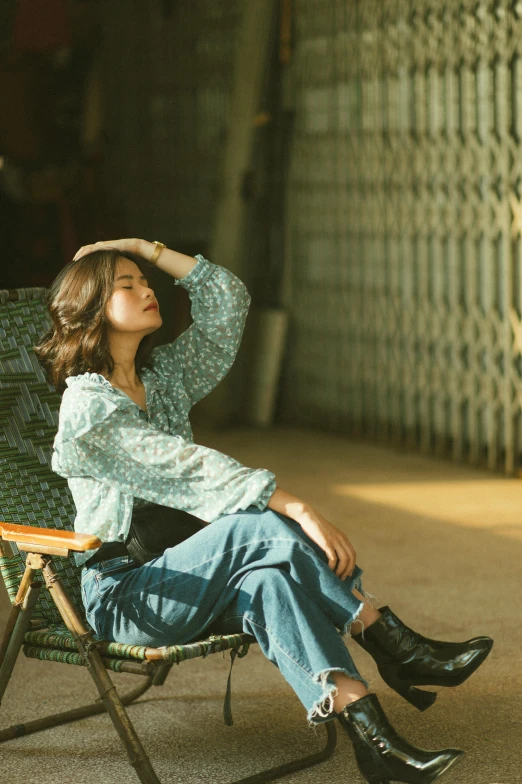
150	298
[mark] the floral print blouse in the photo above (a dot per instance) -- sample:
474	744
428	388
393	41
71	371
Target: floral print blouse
116	456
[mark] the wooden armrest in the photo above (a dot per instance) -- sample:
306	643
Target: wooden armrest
46	537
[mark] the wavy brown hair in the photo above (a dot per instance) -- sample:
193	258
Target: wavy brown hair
78	339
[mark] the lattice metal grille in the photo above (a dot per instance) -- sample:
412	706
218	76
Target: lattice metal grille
405	224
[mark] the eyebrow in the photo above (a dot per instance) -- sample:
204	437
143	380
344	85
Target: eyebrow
131	277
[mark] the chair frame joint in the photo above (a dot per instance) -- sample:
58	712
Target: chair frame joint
36	560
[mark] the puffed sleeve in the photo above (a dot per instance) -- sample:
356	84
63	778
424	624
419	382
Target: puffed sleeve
205	352
124	451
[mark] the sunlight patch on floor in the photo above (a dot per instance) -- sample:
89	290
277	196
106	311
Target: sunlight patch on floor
495	505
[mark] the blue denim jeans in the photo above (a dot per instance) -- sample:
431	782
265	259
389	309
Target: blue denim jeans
255	572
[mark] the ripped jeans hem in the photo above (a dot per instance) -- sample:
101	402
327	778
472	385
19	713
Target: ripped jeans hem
369	599
323	708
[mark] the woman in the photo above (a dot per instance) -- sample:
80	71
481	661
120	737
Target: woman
268	564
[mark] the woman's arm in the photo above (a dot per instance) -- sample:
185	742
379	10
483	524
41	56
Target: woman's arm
178	265
170	261
101	436
204	353
336	545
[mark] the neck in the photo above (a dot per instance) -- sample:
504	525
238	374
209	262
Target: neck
123	353
123	375
128	379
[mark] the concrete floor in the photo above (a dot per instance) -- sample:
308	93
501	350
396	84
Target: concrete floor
440	543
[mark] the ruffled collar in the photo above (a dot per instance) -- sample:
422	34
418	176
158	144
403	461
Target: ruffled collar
151	381
95	378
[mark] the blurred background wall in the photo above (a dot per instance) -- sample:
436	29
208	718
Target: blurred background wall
404	224
379	206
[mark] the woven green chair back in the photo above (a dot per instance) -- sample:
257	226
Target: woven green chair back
30	493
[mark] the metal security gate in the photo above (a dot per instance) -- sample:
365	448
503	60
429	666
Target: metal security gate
404	224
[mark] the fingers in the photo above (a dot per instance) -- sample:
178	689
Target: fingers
85	249
79	254
345	559
332	558
344	566
351	562
335	544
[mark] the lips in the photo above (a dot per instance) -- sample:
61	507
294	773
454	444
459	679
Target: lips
152	307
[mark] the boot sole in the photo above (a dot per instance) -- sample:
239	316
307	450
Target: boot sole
378	779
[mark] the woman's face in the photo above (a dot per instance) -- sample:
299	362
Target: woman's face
130	306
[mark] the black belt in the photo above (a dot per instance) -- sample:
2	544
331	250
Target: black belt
158	527
106	552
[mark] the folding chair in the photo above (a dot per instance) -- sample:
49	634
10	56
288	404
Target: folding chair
36	535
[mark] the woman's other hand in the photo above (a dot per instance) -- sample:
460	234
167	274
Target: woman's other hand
335	543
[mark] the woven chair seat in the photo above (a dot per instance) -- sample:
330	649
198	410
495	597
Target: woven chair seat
57	644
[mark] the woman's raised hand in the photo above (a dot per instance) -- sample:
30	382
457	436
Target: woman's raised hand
133	245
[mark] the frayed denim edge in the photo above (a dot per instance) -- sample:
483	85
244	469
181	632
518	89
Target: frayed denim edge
324	707
371	600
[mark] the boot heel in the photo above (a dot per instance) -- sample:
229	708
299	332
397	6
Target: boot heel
419	698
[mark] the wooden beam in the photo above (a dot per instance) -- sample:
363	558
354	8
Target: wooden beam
254	53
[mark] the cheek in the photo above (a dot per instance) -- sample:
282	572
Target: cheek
118	308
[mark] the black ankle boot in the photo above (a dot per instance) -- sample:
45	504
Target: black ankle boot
406	659
382	754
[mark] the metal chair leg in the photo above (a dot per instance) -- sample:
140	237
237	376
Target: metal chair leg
25	582
65	717
160	676
107	690
14	641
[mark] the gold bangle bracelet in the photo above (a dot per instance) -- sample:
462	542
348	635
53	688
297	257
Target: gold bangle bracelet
157	250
